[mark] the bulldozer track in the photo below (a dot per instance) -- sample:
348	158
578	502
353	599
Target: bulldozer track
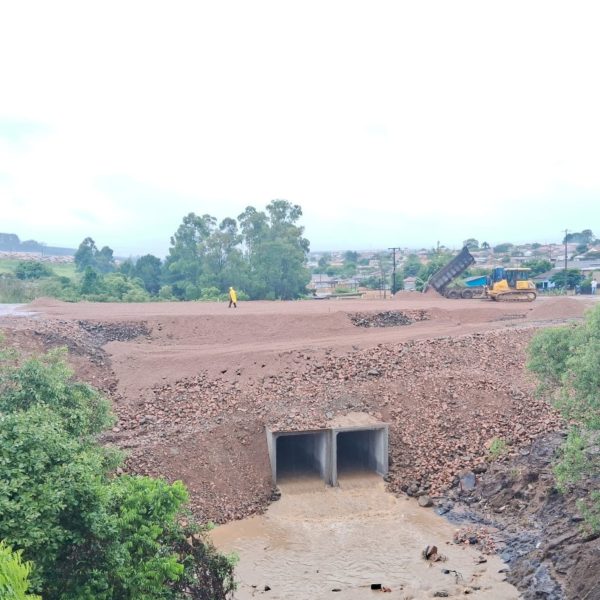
516	297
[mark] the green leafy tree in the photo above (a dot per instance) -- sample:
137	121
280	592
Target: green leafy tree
32	269
471	244
119	288
223	259
570	279
14	575
91	282
279	270
538	266
148	268
502	248
485	246
431	267
185	262
350	256
276	251
127	267
324	260
412	265
566	361
105	261
255	227
129	555
89	534
49	468
349	269
579	237
86	254
373	282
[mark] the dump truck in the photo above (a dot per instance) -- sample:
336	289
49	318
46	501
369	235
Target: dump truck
441	280
503	284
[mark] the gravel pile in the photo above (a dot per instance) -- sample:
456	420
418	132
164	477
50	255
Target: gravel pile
388	318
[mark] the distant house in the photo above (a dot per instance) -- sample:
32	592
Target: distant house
593	254
589	270
543	280
321	282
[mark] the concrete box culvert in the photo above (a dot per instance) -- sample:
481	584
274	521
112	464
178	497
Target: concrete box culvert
328	452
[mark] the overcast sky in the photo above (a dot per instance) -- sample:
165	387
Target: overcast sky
390	123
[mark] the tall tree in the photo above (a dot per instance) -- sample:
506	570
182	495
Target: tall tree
86	254
148	268
184	265
224	265
254	226
538	265
105	261
276	251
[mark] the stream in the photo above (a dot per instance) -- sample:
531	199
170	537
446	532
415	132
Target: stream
324	542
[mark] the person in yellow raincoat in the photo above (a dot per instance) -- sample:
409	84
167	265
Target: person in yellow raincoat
232	298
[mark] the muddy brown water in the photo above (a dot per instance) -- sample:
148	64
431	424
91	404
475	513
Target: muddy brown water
317	539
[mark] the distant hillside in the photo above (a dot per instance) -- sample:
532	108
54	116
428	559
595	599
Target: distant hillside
10	242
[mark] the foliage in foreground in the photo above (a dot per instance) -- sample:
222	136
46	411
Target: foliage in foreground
14	575
566	361
89	533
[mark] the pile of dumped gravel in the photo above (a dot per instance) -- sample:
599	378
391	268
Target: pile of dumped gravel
114	332
388	318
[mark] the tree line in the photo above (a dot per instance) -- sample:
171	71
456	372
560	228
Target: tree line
261	253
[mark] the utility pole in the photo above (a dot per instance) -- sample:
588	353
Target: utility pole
566	232
394	268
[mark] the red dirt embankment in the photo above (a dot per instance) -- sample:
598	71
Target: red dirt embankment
195	384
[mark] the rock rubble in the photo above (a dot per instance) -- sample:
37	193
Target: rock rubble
388	318
445	401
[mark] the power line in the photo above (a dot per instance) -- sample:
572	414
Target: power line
394	268
565	283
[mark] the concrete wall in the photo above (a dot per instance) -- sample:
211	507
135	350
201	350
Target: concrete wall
323	451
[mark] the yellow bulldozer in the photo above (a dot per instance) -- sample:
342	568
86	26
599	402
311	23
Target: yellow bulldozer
511	283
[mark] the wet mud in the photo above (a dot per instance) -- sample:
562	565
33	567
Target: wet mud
323	542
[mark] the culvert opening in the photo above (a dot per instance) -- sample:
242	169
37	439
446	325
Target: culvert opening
325	452
301	455
362	451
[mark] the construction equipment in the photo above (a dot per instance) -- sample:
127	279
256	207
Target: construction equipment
504	284
511	284
440	280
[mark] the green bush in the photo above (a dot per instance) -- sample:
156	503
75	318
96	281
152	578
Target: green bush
166	293
14	575
88	533
32	269
566	361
